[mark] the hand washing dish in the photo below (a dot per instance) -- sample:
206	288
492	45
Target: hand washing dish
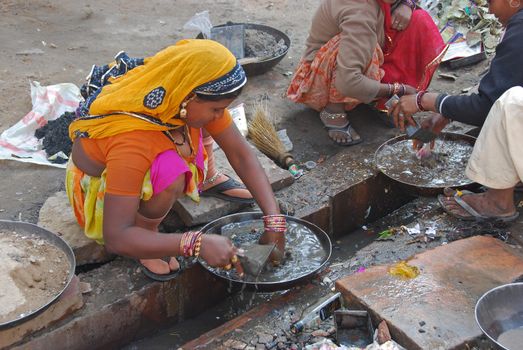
445	167
308	249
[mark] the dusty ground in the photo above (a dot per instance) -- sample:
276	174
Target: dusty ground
54	42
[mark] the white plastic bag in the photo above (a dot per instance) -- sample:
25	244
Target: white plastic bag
200	22
49	103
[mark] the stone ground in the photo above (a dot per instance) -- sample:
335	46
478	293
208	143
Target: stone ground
53	42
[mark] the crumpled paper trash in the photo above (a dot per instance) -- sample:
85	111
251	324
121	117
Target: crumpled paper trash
49	103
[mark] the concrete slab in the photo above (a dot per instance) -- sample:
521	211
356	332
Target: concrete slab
436	309
70	301
57	216
210	208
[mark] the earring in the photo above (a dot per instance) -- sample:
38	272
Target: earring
515	2
183	111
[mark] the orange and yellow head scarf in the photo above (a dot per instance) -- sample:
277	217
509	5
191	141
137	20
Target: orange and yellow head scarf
155	89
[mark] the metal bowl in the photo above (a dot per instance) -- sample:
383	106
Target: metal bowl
416	189
500	310
52	239
257	68
215	226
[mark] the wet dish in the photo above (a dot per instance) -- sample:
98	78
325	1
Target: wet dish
444	168
308	250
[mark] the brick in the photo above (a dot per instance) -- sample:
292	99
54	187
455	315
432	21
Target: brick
56	215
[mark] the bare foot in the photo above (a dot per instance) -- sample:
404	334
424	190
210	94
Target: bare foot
233	192
487	204
159	266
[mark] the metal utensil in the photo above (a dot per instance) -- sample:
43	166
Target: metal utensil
217	227
417	133
232	37
50	239
419	189
499	311
254	257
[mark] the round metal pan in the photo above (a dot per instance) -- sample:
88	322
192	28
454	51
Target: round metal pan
415	189
215	226
51	238
500	310
257	68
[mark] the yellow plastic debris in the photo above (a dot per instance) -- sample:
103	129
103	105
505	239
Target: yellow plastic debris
404	270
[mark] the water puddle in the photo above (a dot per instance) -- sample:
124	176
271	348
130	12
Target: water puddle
444	168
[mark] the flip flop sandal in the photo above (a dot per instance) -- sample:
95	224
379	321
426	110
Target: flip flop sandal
348	129
162	277
345	128
474	215
231	184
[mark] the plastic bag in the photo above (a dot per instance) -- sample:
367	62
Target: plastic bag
200	22
49	103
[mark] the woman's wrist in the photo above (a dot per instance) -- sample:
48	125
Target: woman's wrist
191	243
275	223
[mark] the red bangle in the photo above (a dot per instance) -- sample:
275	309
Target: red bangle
419	96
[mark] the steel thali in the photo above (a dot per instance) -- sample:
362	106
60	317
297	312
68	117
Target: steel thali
311	241
50	238
391	167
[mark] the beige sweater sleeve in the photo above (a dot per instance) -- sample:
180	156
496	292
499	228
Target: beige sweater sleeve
358	23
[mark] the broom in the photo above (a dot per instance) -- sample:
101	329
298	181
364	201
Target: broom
265	138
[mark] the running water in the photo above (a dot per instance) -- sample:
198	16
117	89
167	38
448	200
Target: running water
445	167
304	252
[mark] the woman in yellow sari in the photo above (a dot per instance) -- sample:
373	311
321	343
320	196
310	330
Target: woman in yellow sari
138	146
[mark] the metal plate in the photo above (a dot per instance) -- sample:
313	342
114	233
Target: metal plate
500	310
215	226
256	68
416	189
51	238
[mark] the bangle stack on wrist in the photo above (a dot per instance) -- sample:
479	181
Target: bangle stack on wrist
275	223
397	89
191	243
419	96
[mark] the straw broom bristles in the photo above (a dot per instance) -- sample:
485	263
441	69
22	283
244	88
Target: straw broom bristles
264	135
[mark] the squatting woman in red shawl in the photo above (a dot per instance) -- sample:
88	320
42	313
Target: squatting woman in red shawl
363	51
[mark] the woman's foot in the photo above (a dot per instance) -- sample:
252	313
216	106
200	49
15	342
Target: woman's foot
226	188
492	204
161	267
339	128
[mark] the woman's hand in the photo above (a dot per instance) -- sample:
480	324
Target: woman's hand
217	250
436	123
403	110
278	238
401	17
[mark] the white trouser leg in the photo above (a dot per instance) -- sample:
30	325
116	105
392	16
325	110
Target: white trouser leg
497	159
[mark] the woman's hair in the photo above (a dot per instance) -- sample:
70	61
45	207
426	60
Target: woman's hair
227	96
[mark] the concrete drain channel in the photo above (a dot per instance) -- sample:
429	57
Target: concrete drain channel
349	211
